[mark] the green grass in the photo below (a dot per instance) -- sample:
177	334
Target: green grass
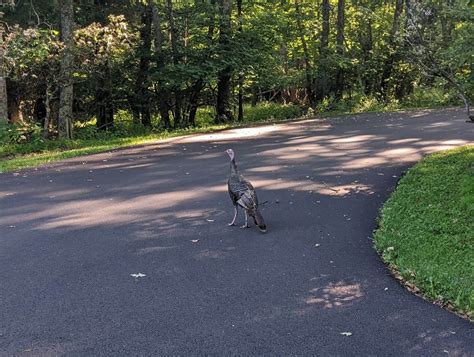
426	229
359	103
17	156
17	153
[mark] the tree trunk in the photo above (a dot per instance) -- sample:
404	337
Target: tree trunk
322	81
104	107
3	100
408	11
212	19
308	69
13	102
47	117
340	49
254	97
66	95
240	80
173	34
396	19
365	41
447	24
141	101
389	63
3	83
194	100
178	111
39	110
223	107
163	94
199	84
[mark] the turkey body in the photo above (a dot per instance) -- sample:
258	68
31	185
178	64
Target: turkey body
243	195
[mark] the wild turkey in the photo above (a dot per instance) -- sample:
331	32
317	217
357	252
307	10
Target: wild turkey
243	194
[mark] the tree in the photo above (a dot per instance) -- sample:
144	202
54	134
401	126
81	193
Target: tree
3	83
163	92
223	106
322	81
307	62
430	52
100	49
340	49
166	59
176	58
141	100
392	44
66	70
240	81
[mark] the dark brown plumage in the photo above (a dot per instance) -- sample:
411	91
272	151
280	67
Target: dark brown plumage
243	194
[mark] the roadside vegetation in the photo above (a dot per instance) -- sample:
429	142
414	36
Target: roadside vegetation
81	77
426	229
23	145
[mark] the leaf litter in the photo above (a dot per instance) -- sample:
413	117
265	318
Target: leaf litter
138	275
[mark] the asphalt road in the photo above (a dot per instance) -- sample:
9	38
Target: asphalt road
72	233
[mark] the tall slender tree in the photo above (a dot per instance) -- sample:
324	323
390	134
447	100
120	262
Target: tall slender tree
340	48
323	68
240	80
223	106
103	91
66	95
391	58
141	99
163	93
307	61
3	83
175	55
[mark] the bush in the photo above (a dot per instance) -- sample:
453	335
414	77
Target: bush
269	110
261	112
430	97
205	116
20	133
359	103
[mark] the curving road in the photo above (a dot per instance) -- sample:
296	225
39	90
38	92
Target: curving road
71	235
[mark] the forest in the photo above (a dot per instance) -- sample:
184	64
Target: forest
72	68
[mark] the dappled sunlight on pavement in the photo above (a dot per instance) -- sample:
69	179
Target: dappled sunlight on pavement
334	295
87	223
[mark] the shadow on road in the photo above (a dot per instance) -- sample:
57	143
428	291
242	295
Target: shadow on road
72	234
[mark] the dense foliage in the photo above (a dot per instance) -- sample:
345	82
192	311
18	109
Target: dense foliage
163	60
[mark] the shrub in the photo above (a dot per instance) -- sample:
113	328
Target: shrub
20	133
430	97
269	110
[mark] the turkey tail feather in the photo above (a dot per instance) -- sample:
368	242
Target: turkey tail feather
260	222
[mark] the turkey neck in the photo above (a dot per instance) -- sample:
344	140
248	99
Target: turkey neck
233	168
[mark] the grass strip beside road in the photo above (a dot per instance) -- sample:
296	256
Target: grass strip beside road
426	229
31	155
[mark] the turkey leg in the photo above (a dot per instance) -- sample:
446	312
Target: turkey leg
235	216
246	225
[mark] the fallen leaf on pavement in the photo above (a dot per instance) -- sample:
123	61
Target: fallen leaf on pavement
138	275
